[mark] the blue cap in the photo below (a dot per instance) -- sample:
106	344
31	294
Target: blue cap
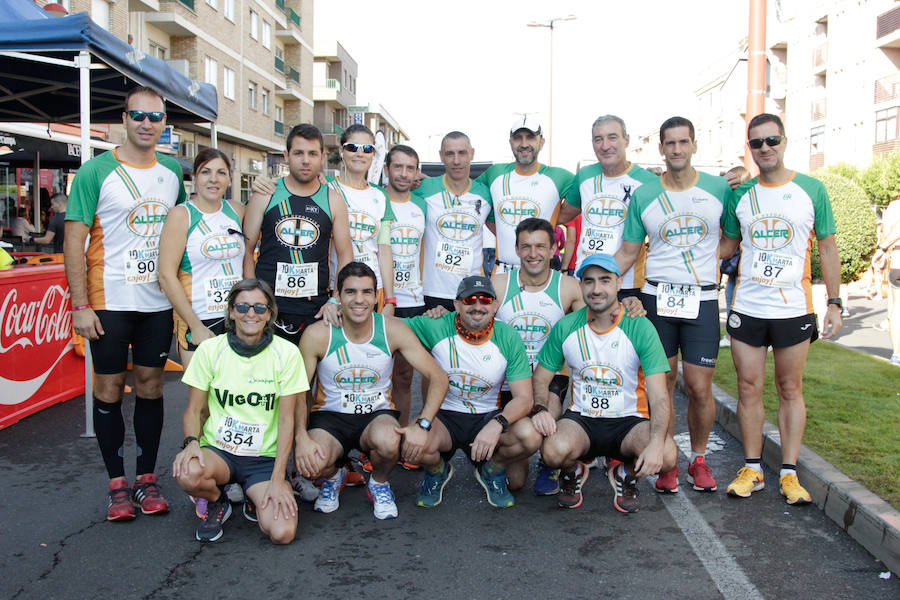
604	261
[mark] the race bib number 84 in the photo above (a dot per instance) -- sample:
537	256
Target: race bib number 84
677	300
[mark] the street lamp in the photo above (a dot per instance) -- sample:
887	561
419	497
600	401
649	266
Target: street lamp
551	26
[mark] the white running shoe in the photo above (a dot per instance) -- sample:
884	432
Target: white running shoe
304	488
382	498
329	496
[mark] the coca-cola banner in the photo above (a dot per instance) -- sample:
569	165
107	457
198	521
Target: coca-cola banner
38	367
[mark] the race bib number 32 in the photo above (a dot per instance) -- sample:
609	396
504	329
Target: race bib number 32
677	300
140	266
297	281
217	289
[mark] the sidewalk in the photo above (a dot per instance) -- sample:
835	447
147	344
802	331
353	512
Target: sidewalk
864	516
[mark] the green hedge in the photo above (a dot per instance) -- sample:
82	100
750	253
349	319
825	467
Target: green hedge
882	179
855	221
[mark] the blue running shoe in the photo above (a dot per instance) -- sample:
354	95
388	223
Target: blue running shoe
431	488
329	496
547	481
495	487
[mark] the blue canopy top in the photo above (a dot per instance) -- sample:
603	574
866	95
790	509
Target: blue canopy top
44	92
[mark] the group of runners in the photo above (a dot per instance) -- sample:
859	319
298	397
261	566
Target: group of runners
348	287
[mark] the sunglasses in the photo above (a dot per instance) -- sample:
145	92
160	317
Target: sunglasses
139	115
772	140
351	147
244	308
479	298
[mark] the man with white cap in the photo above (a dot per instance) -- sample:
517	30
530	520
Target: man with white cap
522	189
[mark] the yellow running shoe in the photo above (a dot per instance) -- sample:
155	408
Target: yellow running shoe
793	492
747	481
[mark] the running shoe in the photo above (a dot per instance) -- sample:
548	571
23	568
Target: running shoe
119	506
793	492
895	359
329	496
199	506
593	464
304	488
667	483
547	481
216	514
494	486
845	313
725	342
354	479
250	511
625	488
382	498
234	492
409	466
365	462
145	493
700	475
747	481
431	488
570	485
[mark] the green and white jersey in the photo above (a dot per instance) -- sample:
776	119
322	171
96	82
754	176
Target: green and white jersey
125	207
243	393
531	314
407	233
369	213
683	228
604	203
453	234
475	371
607	367
517	196
213	259
776	225
355	378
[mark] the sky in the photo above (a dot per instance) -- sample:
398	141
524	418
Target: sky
476	66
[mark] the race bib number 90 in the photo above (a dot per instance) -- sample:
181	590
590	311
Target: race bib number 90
297	281
240	438
360	403
677	300
140	266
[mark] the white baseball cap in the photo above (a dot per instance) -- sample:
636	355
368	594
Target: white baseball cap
530	123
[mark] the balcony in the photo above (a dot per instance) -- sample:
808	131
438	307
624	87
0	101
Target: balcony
279	64
887	29
279	128
293	75
330	91
887	89
187	3
818	111
294	17
280	5
176	17
820	58
291	90
330	128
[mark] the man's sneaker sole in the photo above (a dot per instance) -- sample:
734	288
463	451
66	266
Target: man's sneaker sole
690	478
559	499
440	491
487	491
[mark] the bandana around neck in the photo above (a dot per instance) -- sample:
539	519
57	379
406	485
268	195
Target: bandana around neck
474	337
242	348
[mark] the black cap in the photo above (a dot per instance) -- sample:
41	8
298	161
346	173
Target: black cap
475	284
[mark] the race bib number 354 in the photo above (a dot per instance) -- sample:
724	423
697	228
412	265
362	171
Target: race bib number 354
240	438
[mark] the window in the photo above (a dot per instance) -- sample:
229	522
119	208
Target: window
885	125
279	113
213	4
266	35
229	10
212	68
817	140
251	95
265	101
254	25
246	184
228	82
156	50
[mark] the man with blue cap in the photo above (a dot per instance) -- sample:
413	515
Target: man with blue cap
619	406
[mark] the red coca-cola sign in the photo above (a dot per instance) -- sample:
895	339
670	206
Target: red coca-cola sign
37	364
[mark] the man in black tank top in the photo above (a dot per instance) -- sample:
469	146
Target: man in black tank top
295	220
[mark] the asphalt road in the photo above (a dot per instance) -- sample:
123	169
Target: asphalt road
55	542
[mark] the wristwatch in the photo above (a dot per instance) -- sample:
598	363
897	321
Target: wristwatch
538	408
503	422
187	441
424	423
837	302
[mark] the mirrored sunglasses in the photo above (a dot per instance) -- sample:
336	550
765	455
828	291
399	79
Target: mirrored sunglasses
366	148
244	308
479	298
139	115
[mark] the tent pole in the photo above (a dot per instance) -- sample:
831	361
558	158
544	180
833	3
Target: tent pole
36	192
213	138
83	63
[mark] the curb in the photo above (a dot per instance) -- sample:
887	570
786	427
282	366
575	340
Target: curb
868	519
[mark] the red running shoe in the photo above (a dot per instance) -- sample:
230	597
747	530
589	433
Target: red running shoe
145	494
119	507
700	475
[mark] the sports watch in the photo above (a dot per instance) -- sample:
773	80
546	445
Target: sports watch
424	423
837	302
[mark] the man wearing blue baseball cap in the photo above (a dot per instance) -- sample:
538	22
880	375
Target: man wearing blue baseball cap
619	405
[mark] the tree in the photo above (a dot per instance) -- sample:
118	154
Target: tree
844	169
881	180
855	222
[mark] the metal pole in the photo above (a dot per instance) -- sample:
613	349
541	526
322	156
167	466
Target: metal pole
551	95
213	137
83	63
36	192
756	70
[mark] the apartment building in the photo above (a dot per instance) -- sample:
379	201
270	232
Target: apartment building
257	53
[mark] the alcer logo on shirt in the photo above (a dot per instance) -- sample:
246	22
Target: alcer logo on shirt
468	385
404	240
683	231
220	247
605	211
771	233
457	226
147	218
356	378
596	374
513	210
297	232
362	226
532	327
